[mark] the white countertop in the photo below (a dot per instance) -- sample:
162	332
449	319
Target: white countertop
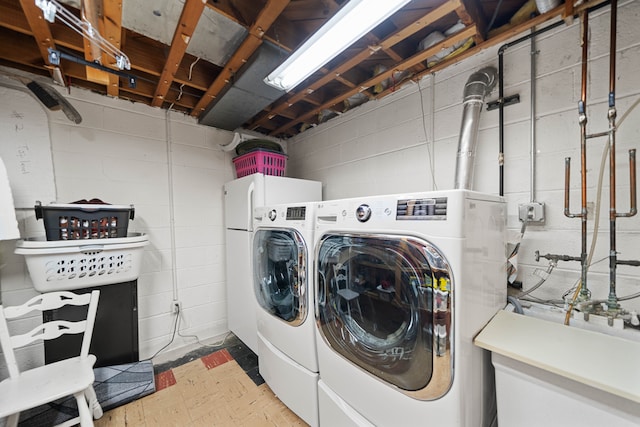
602	361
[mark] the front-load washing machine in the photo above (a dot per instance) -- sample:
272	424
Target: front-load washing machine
283	264
403	284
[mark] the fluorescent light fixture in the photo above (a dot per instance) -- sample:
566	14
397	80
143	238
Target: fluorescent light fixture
354	20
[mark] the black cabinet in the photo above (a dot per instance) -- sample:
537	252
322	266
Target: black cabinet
115	334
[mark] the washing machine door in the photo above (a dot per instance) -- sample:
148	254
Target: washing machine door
384	303
280	274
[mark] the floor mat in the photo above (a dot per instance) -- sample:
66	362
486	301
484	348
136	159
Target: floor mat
114	386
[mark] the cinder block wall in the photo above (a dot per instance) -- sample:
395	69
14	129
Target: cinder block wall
120	154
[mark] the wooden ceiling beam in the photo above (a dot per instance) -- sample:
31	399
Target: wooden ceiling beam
112	24
15	21
41	32
469	13
21	51
388	51
265	19
191	12
568	12
91	12
145	57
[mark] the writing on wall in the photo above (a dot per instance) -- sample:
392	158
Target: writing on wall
25	148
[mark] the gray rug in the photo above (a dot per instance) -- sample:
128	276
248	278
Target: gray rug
114	386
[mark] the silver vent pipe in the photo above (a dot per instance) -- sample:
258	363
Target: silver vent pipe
477	87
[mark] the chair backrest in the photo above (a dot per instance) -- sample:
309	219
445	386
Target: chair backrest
47	330
341	276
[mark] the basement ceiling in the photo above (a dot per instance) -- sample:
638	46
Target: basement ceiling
207	58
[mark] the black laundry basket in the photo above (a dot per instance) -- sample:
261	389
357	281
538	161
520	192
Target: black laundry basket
84	221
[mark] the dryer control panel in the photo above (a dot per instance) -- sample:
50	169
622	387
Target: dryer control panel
296	213
422	209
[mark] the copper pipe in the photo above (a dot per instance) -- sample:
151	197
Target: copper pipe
585	34
612	52
612	301
582	119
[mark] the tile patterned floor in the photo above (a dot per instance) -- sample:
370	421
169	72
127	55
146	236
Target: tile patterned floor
207	387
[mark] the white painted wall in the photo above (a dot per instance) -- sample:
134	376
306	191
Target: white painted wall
119	154
407	142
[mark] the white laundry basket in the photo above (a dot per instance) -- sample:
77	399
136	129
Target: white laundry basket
68	265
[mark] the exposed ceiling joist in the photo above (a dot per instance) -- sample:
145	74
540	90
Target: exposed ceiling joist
191	55
471	13
112	28
265	19
91	11
40	30
189	18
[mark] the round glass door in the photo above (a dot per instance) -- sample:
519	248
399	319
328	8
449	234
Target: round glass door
384	303
280	274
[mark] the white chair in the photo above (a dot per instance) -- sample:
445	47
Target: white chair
41	385
343	289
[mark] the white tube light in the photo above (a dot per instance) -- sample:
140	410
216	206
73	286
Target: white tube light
354	20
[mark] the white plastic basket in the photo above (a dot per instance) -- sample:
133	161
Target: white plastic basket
68	264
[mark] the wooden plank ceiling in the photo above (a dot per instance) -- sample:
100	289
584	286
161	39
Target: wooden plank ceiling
170	77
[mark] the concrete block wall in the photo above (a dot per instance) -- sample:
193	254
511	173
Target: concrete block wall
172	170
408	141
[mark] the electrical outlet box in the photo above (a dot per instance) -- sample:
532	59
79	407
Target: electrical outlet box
176	307
532	213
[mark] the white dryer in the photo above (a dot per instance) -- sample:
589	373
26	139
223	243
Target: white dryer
403	284
282	270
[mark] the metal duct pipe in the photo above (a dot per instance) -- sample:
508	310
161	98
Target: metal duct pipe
477	87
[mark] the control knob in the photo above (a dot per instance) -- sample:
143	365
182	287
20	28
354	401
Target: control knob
363	213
